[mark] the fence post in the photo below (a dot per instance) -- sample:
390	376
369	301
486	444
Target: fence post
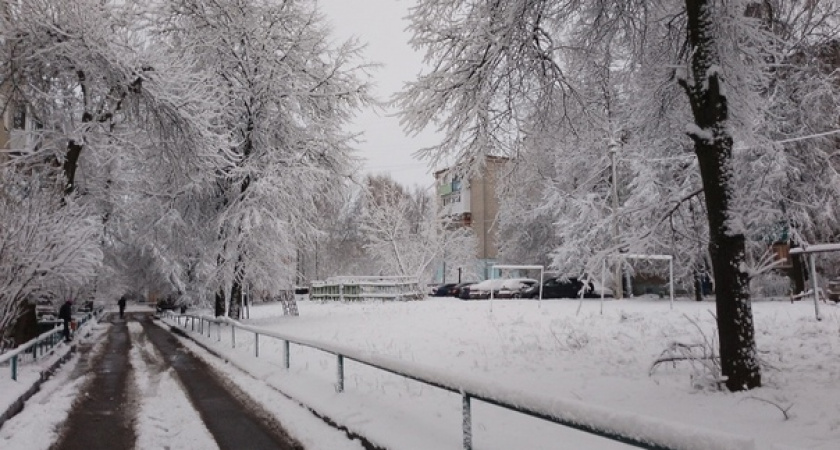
286	355
14	367
219	333
340	385
467	421
257	344
232	336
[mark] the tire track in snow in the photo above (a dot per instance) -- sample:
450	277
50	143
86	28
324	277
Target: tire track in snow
165	417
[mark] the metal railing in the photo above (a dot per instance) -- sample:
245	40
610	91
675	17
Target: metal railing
40	346
629	429
366	288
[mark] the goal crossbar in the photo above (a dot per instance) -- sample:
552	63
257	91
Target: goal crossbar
669	258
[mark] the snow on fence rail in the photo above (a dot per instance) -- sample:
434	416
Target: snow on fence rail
367	288
630	429
43	344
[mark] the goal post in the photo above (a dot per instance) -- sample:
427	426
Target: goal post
514	267
624	256
810	251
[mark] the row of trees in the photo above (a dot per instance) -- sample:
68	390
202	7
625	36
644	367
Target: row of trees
643	126
194	148
384	228
184	145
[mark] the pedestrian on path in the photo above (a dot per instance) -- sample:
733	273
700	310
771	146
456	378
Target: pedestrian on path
121	302
65	313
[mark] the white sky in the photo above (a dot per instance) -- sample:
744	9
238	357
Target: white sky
381	24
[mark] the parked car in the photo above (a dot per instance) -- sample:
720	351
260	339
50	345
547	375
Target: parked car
464	293
301	290
832	291
442	290
499	287
513	288
482	289
168	303
455	291
571	287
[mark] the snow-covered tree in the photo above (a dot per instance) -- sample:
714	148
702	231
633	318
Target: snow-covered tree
121	116
46	248
404	235
286	94
651	83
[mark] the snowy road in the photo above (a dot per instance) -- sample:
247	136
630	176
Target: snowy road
136	386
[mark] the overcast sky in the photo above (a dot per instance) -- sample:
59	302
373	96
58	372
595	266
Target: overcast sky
381	25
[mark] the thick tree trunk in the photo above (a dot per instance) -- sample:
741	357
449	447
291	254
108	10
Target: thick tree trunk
713	146
235	310
71	162
26	326
796	272
220	303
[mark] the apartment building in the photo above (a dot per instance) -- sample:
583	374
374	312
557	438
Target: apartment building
473	203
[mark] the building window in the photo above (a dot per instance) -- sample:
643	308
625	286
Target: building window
452	198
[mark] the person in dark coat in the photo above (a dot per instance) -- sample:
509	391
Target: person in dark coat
121	302
65	313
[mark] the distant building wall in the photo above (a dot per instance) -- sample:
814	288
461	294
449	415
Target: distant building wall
5	123
474	204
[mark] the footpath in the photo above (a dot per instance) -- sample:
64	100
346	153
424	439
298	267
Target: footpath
103	416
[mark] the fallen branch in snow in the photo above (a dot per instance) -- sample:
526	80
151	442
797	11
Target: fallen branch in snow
782	409
677	351
702	357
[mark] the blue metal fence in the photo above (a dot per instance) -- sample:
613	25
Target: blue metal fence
40	346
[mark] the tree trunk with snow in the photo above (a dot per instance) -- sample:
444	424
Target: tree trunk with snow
713	146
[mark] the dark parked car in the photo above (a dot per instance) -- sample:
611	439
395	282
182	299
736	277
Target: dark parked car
455	291
565	288
168	303
464	294
442	290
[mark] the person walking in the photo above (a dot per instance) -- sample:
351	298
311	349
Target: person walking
65	313
121	302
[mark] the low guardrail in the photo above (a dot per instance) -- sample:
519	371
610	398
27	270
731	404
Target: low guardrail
634	430
366	288
40	346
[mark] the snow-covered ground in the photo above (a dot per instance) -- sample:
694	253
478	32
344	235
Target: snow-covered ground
556	349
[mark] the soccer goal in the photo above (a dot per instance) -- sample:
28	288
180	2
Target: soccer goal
621	257
501	267
811	251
